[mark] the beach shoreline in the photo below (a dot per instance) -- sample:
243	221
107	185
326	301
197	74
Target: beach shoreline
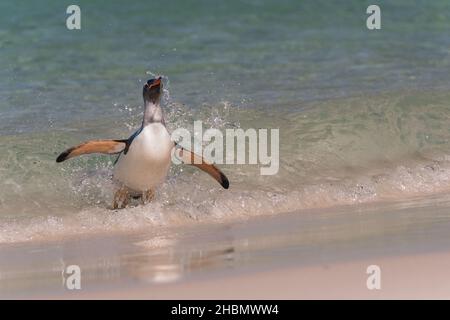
302	255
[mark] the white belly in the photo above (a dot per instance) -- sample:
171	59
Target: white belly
147	161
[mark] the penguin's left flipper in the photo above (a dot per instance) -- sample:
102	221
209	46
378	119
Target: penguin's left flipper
188	157
93	146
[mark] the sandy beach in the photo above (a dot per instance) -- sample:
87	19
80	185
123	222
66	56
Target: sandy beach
405	277
300	255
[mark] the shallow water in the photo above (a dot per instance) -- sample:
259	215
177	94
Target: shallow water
362	115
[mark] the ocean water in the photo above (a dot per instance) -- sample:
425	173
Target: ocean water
363	115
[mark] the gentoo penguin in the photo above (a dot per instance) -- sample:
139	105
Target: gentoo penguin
144	158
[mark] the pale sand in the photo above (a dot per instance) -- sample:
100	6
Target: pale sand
302	255
424	276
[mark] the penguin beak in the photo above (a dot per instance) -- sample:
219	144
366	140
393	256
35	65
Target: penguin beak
156	83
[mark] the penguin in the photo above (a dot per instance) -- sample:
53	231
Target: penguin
144	158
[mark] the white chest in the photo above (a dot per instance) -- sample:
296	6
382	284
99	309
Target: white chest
147	161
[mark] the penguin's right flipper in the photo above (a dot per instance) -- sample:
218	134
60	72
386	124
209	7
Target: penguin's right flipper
191	158
93	146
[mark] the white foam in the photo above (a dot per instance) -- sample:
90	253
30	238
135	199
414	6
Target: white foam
192	198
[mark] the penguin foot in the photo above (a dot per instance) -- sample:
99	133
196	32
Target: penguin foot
148	196
121	198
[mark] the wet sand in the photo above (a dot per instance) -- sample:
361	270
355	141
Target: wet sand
420	276
298	255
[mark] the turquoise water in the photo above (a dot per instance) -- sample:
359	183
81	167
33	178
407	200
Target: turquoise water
363	115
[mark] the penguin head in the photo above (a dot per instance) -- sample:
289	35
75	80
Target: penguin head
152	90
